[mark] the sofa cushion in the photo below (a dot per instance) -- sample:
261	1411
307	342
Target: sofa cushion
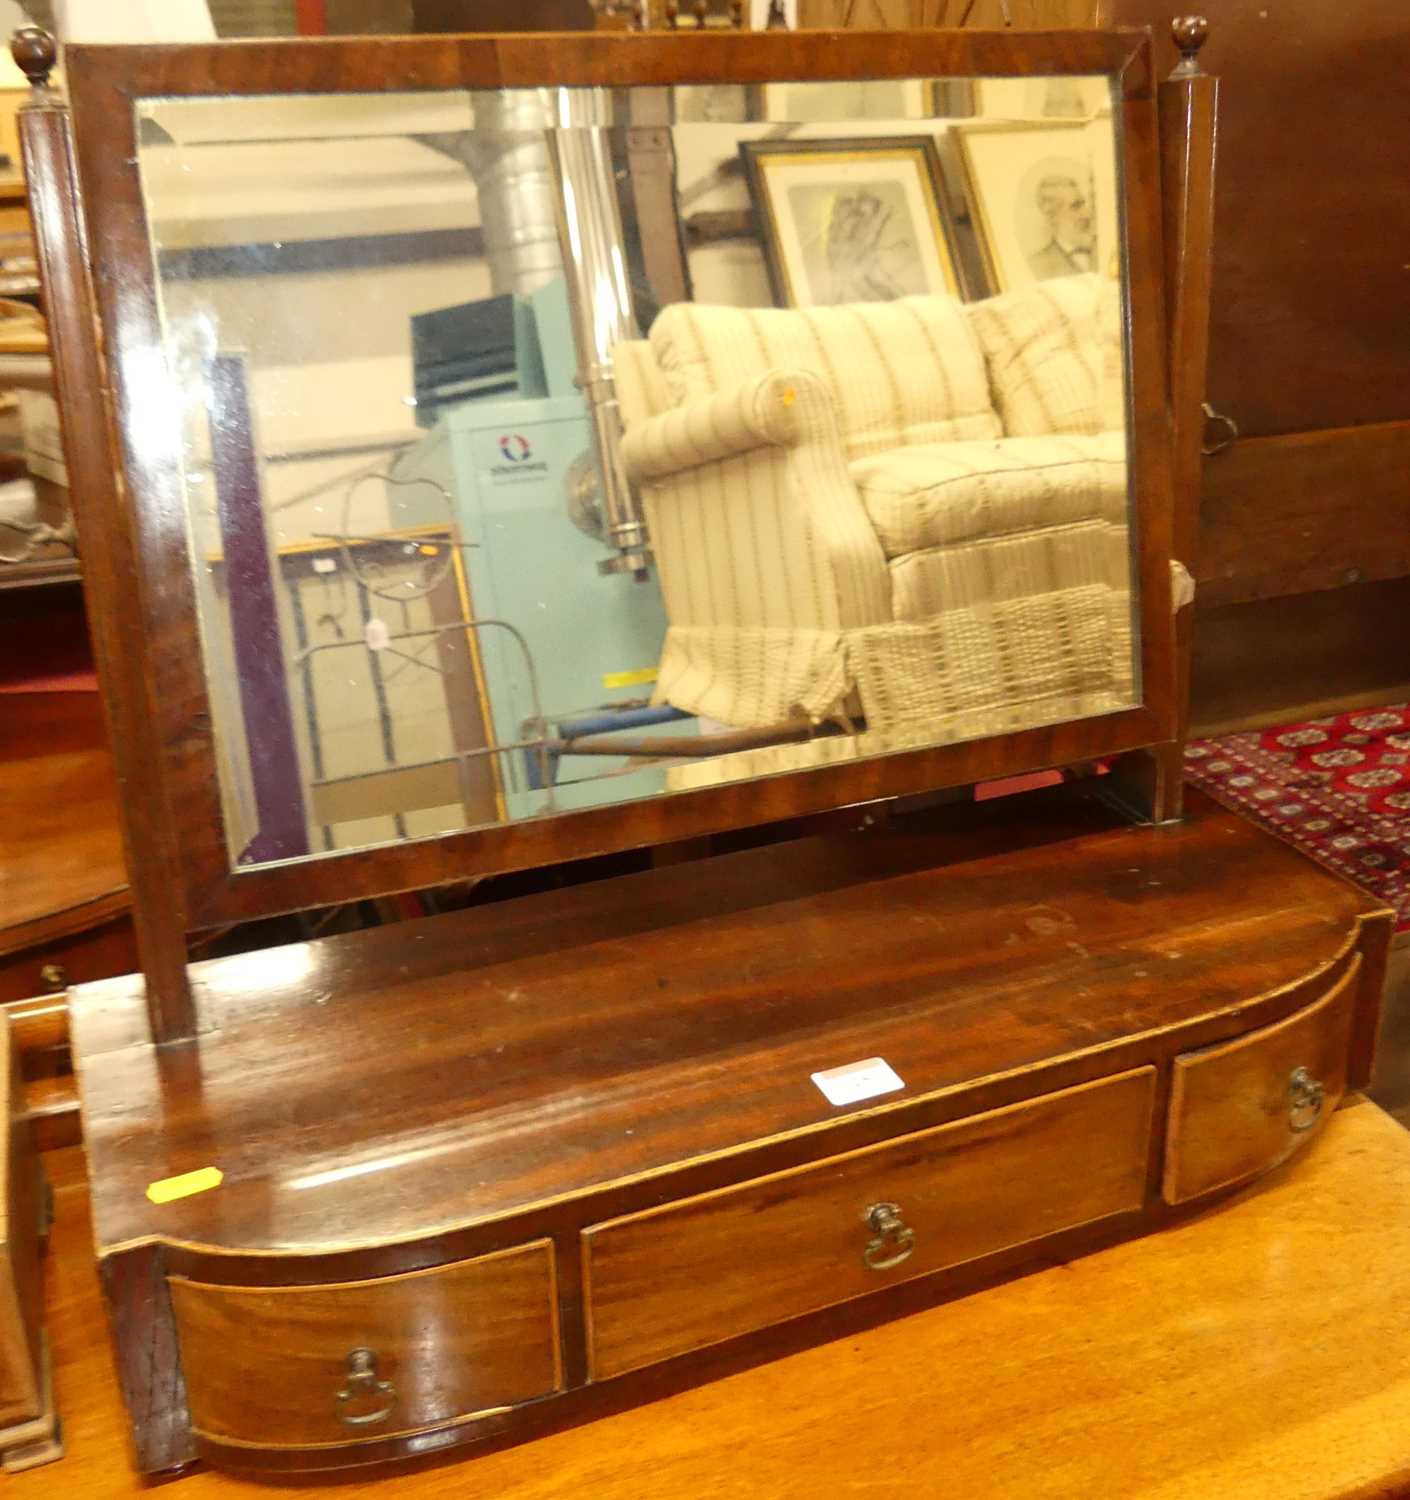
901	372
937	494
1054	355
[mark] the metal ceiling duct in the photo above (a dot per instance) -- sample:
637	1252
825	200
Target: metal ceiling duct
548	206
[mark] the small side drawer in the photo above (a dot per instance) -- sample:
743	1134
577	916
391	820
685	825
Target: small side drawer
692	1273
310	1366
1238	1109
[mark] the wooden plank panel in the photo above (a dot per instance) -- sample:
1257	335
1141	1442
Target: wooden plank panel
1275	661
1309	245
1314	510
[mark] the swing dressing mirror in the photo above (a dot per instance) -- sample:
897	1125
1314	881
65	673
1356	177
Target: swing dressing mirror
563	468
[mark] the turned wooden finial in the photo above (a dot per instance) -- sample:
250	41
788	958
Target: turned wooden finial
1189	34
35	52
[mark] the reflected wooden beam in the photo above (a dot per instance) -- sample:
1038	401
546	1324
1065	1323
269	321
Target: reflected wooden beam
693	747
357	252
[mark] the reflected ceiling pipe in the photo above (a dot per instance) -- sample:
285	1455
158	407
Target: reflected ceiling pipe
548	207
599	300
507	156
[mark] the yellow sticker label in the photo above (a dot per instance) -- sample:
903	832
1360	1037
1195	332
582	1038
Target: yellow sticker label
629	679
199	1181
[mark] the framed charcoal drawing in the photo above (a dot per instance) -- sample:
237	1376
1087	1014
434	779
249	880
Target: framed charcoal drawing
1042	202
860	219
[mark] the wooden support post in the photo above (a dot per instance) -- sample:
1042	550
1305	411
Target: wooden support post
106	539
1152	781
1188	103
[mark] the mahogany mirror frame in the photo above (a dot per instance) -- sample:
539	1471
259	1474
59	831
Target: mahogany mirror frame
132	505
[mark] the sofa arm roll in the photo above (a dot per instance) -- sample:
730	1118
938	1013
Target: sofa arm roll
763	413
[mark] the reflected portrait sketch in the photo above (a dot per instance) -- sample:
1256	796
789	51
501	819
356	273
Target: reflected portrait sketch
1043	197
1062	231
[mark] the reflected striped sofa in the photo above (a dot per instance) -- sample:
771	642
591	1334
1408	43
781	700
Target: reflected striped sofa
911	511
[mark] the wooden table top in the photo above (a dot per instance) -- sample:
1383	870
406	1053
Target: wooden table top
584	1041
1261	1349
61	861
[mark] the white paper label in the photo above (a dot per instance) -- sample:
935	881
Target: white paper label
325	565
858	1080
376	634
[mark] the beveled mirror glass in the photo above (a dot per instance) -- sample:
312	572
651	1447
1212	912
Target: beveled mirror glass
546	449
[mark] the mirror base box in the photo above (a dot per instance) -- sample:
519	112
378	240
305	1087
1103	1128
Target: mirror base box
823	1083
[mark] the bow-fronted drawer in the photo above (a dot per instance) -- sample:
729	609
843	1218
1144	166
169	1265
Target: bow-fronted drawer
1240	1108
312	1366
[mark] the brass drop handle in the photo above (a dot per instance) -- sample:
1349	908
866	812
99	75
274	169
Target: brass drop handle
1230	435
894	1240
362	1385
1306	1096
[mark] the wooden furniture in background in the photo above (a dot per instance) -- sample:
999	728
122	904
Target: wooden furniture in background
1306	517
29	1428
65	905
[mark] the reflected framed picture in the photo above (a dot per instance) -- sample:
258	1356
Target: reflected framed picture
863	219
1042	197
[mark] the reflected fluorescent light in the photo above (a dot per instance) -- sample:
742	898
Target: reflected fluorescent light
362	1168
267	969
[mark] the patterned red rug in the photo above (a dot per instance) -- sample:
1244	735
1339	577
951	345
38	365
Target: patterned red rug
1338	788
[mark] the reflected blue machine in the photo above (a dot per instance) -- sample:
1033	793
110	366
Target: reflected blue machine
582	644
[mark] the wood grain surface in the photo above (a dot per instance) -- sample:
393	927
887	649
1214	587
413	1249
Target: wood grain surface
61	864
693	1273
448	1343
1308	243
1230	1111
1305	511
1175	1367
597	1040
111	546
1278	661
